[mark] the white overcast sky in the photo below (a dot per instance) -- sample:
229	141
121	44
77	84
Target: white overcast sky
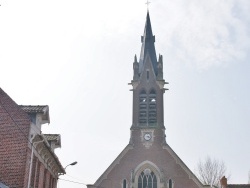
76	56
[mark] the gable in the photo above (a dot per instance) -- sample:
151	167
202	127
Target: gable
183	165
132	161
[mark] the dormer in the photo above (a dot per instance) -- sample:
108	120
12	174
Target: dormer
54	140
39	114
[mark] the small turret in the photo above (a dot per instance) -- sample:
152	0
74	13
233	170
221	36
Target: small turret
136	69
160	68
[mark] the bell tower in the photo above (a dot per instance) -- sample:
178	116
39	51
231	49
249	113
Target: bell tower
148	89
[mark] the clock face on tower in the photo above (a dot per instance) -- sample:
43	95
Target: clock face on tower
147	136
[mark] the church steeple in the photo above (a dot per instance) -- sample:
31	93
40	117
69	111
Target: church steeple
148	84
148	46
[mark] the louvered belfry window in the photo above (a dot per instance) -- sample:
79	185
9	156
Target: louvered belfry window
147	108
152	107
143	107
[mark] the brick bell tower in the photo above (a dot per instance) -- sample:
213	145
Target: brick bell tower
148	89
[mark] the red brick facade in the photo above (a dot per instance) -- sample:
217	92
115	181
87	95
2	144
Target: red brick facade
14	131
15	151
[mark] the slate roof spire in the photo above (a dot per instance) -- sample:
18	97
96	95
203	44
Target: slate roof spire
148	46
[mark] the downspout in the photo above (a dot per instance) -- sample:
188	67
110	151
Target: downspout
31	160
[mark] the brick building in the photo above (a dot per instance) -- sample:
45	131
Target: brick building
148	161
224	184
27	157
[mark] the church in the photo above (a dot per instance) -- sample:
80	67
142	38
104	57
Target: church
147	161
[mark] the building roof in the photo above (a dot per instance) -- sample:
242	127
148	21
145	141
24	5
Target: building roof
55	138
35	109
9	105
11	112
238	185
52	137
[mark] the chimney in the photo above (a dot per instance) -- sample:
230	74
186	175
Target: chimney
223	182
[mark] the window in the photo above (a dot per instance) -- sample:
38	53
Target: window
147	108
33	118
147	179
124	184
170	183
152	107
143	107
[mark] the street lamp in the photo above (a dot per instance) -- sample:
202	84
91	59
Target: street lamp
71	164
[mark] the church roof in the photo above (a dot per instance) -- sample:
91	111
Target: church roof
148	46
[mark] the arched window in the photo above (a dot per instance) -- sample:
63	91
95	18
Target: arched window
143	107
147	179
170	183
152	107
124	184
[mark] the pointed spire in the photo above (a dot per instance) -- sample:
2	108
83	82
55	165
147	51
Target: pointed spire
148	40
148	29
160	68
135	60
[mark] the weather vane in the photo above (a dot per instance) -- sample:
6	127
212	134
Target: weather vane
147	3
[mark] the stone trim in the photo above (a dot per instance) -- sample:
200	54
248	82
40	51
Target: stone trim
147	164
182	164
113	164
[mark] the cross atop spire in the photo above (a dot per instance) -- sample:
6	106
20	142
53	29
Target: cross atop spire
147	3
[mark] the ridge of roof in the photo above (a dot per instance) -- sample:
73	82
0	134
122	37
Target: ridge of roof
34	108
51	137
12	108
238	185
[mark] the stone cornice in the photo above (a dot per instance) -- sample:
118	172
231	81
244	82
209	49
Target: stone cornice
47	156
